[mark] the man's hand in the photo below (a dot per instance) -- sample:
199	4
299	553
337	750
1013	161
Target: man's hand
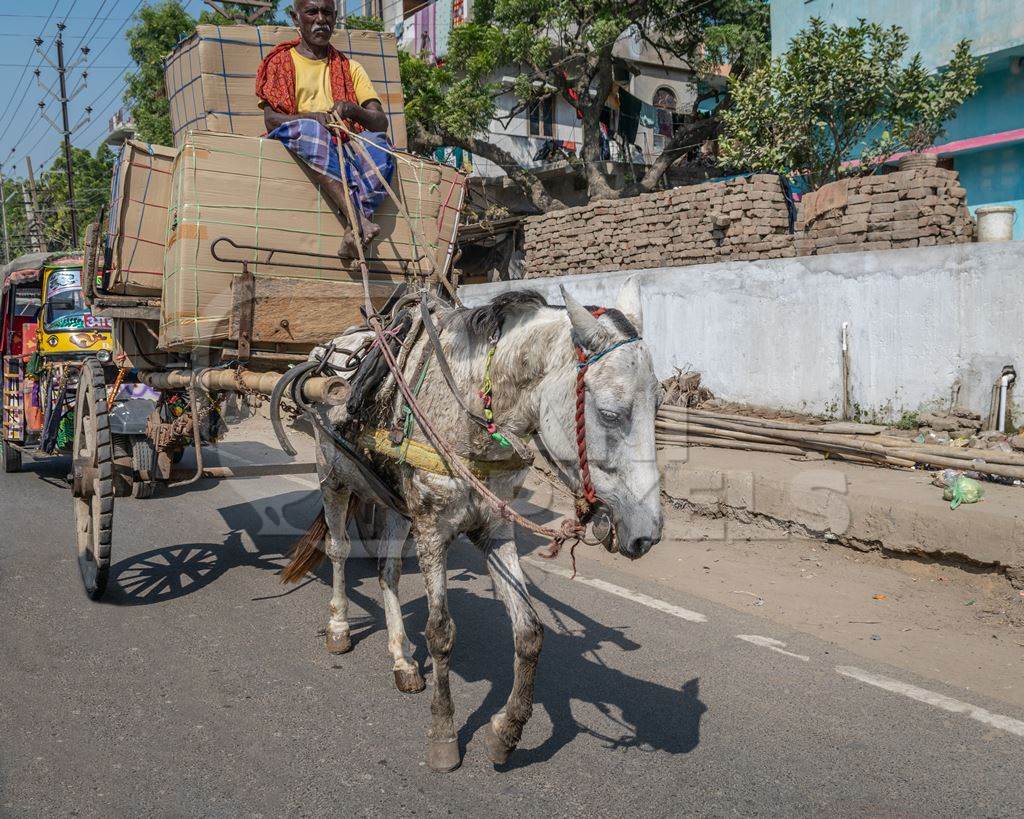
344	109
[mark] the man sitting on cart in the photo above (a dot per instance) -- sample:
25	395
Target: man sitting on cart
302	85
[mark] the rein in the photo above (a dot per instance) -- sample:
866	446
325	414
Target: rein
568	529
587	501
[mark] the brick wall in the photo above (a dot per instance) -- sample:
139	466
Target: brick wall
746	219
902	209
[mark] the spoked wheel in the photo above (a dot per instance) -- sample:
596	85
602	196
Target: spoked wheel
93	479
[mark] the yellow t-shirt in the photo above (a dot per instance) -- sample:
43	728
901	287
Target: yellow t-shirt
313	84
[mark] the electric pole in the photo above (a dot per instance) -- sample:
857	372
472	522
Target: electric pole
66	131
3	212
32	210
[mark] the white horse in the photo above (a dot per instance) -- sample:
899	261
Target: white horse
533	371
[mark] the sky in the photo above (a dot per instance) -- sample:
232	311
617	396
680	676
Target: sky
101	25
98	23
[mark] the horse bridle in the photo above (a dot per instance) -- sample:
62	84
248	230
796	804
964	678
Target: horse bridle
588	504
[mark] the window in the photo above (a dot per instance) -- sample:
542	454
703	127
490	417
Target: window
542	117
665	106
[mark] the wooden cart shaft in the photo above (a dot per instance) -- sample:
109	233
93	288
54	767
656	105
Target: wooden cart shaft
330	390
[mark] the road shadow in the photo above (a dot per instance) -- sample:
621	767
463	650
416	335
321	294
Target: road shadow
167	573
575	666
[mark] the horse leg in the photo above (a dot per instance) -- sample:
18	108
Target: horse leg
432	549
502	734
389	570
338	547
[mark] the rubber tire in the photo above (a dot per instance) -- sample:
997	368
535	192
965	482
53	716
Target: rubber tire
143	461
94	515
12	458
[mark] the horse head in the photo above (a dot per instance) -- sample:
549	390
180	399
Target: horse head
621	398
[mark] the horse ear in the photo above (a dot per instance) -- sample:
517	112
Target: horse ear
629	303
587	329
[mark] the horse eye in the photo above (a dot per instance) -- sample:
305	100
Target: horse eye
609	415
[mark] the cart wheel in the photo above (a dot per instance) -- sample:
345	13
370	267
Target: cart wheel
93	479
143	467
12	458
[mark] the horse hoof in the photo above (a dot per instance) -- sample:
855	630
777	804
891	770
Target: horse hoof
409	682
443	755
497	751
340	644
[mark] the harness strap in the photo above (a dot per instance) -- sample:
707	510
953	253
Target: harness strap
446	373
424	457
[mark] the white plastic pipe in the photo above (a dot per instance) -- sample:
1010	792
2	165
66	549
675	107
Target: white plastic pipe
1004	383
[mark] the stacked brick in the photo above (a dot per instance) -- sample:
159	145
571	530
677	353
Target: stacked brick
903	209
716	221
747	219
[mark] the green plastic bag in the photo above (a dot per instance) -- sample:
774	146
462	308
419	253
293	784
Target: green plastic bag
963	490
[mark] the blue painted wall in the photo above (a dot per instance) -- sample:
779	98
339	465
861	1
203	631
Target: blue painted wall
934	26
996	28
995	177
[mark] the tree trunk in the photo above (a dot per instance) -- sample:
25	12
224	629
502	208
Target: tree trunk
527	181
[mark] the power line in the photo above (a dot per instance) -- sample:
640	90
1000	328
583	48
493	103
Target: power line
13	112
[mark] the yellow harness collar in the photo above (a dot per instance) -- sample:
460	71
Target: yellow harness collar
425	457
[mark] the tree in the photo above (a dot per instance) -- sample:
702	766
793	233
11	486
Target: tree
92	192
267	18
839	93
157	30
564	48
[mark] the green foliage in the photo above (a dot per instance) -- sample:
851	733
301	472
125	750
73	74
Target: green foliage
363	23
737	33
908	420
156	30
92	192
268	18
838	92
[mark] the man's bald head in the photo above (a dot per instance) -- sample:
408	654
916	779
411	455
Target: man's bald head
315	21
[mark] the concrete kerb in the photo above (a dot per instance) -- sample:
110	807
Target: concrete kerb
897	512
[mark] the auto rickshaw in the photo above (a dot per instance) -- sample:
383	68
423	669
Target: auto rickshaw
47	332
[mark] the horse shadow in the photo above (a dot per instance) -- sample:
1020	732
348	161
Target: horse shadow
574	667
647	716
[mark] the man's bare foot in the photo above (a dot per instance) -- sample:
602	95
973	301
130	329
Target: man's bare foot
348	249
369	231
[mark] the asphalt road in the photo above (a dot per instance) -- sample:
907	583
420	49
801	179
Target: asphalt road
200	687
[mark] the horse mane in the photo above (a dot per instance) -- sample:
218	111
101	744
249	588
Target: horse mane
488	320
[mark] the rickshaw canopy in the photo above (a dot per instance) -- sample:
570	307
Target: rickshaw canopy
28	268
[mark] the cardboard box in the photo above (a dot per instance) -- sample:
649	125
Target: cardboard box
133	255
211	77
255	193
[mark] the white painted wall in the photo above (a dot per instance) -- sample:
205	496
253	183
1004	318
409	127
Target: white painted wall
769	332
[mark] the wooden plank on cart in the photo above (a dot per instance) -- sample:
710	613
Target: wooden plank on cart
300	311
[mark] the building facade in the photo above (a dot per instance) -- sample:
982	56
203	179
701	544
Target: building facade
541	137
985	143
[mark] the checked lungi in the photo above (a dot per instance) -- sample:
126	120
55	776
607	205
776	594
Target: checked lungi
317	147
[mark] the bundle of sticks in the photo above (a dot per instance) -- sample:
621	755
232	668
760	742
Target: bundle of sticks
866	443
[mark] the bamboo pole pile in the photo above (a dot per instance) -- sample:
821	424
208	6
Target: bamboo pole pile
865	443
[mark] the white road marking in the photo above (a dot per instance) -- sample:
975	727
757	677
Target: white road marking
1013	726
619	591
772	644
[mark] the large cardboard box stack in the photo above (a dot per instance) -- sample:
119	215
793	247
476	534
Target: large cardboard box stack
255	193
211	77
134	243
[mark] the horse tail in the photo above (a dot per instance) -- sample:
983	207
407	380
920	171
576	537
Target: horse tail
308	552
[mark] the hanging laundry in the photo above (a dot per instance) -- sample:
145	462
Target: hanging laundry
630	108
426	36
648	115
442	27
